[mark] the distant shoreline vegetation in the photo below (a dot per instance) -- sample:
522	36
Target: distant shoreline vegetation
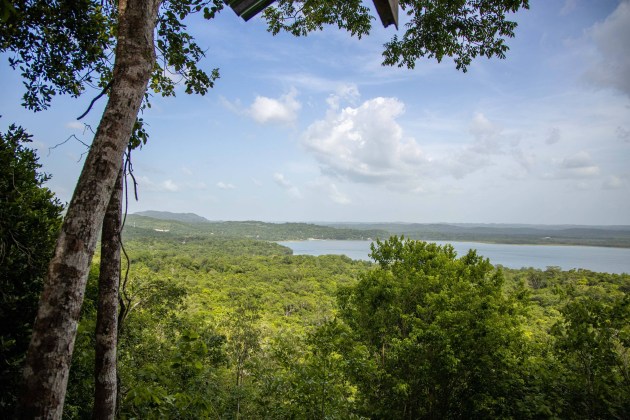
165	223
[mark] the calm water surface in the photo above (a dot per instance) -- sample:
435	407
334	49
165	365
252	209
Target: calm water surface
609	260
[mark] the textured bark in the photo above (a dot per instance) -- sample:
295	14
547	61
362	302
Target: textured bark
54	331
107	310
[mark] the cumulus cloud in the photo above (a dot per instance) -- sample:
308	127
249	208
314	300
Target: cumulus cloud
225	186
365	144
269	110
347	92
288	186
579	165
611	37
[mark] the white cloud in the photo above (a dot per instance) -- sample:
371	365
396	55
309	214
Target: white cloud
270	110
365	144
579	165
611	36
75	125
187	171
225	186
169	185
288	186
345	92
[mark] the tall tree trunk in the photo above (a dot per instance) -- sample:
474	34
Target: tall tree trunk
54	331
107	311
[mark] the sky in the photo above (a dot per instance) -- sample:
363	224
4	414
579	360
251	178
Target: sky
316	129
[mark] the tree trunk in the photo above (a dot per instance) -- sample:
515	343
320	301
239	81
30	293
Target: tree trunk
107	312
54	331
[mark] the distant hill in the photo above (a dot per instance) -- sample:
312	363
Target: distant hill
609	236
178	217
153	223
140	225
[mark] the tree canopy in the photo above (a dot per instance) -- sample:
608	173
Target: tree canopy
30	217
444	339
227	325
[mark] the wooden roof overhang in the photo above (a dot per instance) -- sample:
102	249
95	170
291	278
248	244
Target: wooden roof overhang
247	9
387	11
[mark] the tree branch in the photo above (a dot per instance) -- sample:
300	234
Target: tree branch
103	92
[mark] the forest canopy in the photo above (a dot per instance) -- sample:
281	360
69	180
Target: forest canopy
238	327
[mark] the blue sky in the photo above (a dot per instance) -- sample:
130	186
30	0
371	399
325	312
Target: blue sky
315	129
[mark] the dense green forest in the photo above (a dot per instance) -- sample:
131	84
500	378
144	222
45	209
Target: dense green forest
240	328
220	326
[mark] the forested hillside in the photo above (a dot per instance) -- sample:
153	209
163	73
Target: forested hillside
610	236
190	223
219	327
140	226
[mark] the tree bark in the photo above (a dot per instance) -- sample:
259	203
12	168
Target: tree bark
54	331
107	310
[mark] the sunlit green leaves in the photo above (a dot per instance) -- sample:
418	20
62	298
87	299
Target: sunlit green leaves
458	29
301	17
58	46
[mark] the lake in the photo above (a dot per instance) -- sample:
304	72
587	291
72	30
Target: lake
608	260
